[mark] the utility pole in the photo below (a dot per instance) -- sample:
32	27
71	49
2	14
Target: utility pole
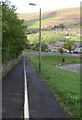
40	41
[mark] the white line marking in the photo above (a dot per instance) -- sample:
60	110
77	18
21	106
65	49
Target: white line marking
26	106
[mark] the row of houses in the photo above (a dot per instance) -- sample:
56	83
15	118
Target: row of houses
55	47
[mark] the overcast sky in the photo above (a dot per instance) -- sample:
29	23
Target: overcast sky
46	5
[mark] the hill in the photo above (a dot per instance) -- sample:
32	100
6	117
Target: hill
67	16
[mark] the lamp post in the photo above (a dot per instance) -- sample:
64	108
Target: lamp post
39	34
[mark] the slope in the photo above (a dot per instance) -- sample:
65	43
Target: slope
67	16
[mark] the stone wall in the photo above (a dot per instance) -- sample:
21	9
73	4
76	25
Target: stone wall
8	65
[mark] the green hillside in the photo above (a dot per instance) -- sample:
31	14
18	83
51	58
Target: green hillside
67	16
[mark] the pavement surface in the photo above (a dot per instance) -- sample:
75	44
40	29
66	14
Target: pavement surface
50	53
12	92
42	103
71	67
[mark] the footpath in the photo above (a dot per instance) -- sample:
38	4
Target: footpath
13	92
42	104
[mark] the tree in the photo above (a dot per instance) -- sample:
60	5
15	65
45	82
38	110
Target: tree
69	45
36	47
55	27
61	26
14	33
61	50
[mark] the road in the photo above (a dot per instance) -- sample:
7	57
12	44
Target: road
49	53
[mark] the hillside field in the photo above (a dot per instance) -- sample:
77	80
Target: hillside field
68	17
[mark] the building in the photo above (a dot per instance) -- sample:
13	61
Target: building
56	46
78	44
77	51
68	37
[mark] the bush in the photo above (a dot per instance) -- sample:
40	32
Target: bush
61	50
44	46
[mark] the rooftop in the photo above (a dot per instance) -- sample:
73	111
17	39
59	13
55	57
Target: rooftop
58	44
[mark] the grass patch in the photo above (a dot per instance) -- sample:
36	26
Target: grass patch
55	60
64	83
29	50
76	39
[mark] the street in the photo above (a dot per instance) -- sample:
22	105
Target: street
49	53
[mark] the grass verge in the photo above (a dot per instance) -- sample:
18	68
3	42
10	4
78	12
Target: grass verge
63	83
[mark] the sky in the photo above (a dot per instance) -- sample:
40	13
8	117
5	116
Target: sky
46	5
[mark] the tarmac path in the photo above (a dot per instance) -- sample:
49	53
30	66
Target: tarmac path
72	67
42	104
12	92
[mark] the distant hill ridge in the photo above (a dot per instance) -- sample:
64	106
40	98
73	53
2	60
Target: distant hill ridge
67	16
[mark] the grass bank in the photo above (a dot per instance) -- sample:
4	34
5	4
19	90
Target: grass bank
63	83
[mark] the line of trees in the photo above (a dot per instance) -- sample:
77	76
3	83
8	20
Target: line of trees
13	33
62	26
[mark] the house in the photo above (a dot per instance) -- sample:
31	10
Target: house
78	44
68	37
66	50
77	51
56	46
